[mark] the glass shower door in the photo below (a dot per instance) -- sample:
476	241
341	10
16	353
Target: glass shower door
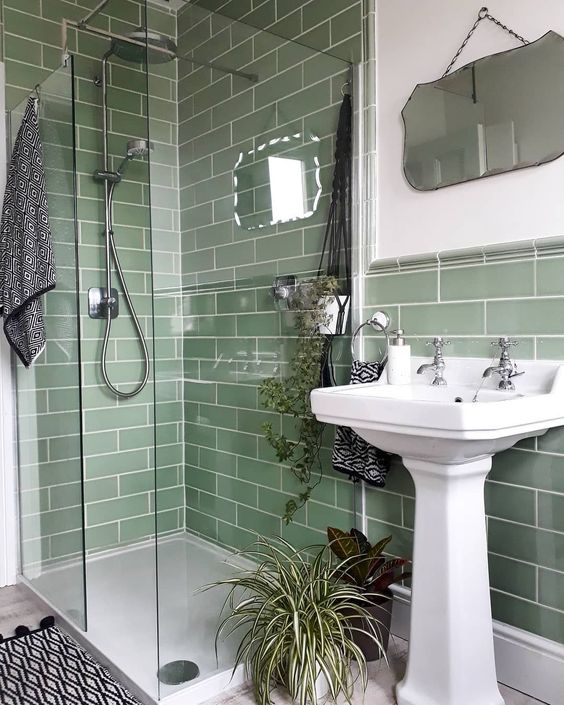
49	394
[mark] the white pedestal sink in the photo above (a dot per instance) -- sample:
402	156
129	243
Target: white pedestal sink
447	442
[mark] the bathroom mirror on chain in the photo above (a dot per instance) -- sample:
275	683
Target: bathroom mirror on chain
497	114
277	182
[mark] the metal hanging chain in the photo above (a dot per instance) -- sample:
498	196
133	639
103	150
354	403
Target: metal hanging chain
484	14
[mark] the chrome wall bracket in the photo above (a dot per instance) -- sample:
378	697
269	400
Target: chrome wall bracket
98	302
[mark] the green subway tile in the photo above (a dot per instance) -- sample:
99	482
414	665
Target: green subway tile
237	490
218	507
514	577
259	472
170	498
67	544
550	348
259	522
537	470
488	281
202	524
201	435
402	539
238	395
136	482
302	536
383	506
544	548
115	463
97	490
551	511
258	324
102	536
200	391
242	301
115	509
319	514
244	444
201	479
346	24
525	317
235	254
225	463
234	536
411	287
528	616
217	415
137	528
551	589
279	246
408	512
251	421
549	276
399	480
443	319
512	503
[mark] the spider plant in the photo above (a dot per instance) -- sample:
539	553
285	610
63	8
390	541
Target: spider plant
294	611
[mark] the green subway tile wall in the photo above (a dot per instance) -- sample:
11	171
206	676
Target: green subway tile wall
118	435
332	26
233	335
472	305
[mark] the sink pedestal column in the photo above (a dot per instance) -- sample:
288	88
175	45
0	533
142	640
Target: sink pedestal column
451	654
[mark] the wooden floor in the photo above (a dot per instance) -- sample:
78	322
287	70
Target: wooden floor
17	606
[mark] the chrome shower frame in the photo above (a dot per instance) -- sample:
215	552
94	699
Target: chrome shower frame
82	25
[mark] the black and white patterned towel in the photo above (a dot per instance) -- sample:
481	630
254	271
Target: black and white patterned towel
27	266
47	667
352	455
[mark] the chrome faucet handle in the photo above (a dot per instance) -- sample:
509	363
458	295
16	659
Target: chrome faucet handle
438	364
506	367
438	342
505	342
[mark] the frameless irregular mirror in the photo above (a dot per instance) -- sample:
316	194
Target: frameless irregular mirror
500	113
277	182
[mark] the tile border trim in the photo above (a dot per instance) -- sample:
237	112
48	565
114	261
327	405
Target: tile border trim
498	252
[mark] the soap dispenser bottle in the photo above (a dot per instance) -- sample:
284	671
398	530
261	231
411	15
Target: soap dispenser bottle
399	359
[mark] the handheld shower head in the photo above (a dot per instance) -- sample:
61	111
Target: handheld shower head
138	148
135	148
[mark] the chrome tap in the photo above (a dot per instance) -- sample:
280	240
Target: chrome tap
438	364
505	368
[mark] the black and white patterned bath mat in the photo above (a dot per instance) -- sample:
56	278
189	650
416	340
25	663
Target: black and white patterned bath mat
47	667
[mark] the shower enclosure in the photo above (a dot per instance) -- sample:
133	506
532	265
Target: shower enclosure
142	462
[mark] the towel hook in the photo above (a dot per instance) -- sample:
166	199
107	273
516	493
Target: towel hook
343	87
36	90
379	321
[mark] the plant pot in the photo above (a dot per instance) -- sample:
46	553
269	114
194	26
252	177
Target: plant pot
383	613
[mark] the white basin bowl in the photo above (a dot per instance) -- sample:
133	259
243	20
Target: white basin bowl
444	423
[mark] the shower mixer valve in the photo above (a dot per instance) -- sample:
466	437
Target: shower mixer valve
99	301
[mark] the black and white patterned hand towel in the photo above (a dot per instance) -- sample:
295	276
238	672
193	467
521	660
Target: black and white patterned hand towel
352	455
27	266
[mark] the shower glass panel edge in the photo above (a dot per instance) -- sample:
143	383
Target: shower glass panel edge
49	394
218	332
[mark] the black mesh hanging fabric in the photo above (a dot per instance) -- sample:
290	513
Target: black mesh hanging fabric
335	258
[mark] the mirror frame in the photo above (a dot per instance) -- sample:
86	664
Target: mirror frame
551	158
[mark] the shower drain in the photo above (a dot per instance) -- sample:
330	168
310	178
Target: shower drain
177	672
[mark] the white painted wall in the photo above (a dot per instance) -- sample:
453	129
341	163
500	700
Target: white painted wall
8	502
415	41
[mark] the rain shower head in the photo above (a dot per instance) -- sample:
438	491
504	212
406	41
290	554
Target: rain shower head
158	50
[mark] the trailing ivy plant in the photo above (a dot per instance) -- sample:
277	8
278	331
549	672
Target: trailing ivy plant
290	395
